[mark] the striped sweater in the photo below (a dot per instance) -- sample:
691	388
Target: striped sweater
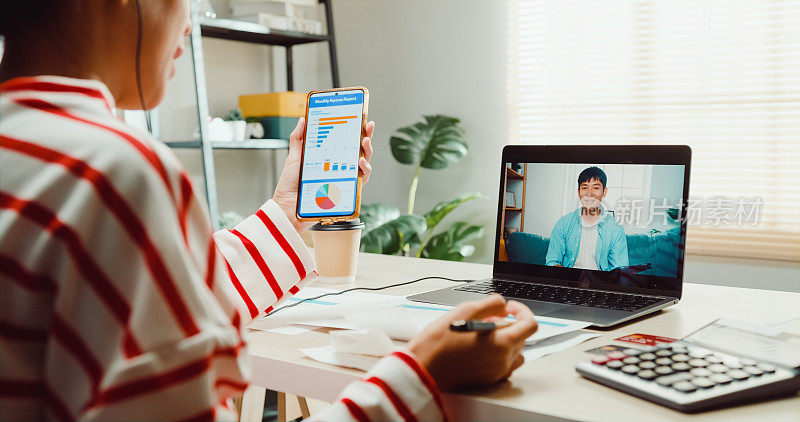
117	300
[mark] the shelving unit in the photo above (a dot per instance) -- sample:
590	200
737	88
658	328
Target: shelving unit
228	29
248	144
515	179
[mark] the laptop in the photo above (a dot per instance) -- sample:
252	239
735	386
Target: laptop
587	233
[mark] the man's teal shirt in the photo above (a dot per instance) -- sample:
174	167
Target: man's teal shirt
612	247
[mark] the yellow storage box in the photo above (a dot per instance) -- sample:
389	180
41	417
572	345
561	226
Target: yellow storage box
278	104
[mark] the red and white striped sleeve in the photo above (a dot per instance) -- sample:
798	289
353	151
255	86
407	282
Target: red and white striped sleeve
397	388
265	259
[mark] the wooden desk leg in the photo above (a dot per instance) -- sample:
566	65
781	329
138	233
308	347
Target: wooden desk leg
281	407
303	407
251	405
287	411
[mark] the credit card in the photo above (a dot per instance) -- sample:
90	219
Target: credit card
606	349
645	339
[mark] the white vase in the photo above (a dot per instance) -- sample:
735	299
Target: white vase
239	129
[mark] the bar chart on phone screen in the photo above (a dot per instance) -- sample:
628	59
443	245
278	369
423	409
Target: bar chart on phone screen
330	160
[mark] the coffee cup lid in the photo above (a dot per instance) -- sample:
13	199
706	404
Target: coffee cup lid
339	225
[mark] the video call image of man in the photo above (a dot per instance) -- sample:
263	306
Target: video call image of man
589	237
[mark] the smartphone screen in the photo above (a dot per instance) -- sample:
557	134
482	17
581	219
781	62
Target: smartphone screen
328	185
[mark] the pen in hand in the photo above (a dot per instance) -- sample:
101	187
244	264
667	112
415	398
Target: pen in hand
468	326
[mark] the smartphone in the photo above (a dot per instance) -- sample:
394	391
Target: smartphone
330	180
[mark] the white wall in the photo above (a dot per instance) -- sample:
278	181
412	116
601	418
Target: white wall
545	197
426	57
416	57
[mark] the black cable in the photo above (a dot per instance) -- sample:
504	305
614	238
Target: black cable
369	289
139	30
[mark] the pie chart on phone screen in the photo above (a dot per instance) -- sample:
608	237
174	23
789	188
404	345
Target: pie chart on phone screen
328	196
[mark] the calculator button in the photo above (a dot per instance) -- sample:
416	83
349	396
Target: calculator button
647	365
672	379
631	360
663	361
753	370
681	366
615	364
664	353
680	357
632	352
703	382
747	362
698	353
766	367
646	374
599	360
698	363
679	349
616	355
663	370
734	364
648	349
647	356
738	375
630	369
684	386
720	378
713	359
700	372
718	368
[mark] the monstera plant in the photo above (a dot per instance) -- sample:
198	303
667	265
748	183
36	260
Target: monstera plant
435	143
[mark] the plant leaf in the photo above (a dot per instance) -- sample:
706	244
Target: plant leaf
440	211
390	237
434	143
451	244
375	215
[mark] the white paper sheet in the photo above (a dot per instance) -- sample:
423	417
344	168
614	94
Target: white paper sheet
401	319
326	354
362	342
556	344
332	356
290	330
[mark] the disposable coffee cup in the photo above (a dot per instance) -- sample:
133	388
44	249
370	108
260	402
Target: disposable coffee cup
336	250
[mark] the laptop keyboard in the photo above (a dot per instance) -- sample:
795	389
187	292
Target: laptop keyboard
565	295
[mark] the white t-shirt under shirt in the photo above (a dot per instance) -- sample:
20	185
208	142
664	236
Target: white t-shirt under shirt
587	247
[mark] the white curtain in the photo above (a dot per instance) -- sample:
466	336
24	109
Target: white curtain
722	76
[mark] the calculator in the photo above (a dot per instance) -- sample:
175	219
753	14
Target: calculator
688	377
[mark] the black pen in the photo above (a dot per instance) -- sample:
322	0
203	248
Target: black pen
467	326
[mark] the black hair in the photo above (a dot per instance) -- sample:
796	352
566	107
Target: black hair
592	173
18	16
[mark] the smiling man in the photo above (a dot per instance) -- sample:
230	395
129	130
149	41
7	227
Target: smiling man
588	237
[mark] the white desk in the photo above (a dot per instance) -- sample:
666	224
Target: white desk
543	389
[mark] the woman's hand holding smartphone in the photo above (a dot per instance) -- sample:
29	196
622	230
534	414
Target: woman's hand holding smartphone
286	192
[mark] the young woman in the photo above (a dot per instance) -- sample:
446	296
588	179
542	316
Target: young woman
117	302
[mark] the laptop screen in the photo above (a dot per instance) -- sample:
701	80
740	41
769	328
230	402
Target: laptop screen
601	224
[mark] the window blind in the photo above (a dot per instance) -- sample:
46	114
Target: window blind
721	76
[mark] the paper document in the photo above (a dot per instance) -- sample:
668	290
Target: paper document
398	317
556	344
327	354
290	330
